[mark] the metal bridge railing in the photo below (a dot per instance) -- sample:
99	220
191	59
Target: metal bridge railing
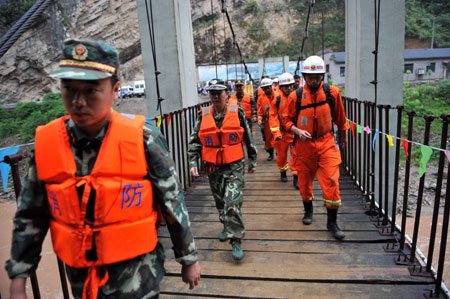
369	162
177	127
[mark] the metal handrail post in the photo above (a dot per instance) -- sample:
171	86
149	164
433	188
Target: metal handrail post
426	140
437	198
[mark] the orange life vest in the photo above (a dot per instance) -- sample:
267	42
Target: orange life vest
315	114
245	102
224	145
260	92
124	221
280	103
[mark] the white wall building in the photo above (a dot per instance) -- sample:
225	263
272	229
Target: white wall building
420	66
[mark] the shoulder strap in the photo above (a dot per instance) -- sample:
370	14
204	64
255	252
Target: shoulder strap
299	93
206	110
326	90
278	103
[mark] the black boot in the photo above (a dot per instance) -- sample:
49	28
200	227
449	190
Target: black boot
307	219
295	181
270	151
283	177
332	225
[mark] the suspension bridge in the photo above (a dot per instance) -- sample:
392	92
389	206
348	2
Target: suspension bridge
284	258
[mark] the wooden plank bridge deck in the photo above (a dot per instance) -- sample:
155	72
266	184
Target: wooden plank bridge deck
283	257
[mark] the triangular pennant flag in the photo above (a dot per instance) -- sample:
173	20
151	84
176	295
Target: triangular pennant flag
359	129
447	153
389	138
4	167
348	122
158	121
168	120
148	120
426	154
405	148
367	129
374	139
353	127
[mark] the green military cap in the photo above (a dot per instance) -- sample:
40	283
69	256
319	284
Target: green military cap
87	60
216	84
239	82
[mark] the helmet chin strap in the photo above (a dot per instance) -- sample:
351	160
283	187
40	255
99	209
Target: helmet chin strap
314	89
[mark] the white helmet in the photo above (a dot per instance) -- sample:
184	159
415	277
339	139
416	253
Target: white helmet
275	80
286	79
265	82
313	65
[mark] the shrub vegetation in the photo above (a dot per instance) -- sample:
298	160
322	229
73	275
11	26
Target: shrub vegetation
22	122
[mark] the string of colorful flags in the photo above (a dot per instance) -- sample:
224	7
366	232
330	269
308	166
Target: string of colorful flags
6	151
158	120
426	150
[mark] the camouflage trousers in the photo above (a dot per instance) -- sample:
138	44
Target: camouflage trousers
227	183
137	278
250	124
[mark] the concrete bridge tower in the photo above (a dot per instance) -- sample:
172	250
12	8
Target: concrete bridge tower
359	61
175	54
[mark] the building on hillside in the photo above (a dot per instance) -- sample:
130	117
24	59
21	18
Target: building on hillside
335	68
420	66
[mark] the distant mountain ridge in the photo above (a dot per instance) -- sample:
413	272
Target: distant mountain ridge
263	29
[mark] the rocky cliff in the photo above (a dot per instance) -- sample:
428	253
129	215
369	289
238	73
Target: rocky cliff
25	67
263	28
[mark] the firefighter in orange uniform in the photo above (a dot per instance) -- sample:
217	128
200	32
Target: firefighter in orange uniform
283	139
257	94
263	106
275	85
246	101
310	116
297	81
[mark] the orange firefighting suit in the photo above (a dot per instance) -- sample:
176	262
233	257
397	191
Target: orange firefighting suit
263	106
320	154
277	106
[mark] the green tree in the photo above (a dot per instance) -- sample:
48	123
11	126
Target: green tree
28	116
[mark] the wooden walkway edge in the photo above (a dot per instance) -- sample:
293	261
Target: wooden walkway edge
283	257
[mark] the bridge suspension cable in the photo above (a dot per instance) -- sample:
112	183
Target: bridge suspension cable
151	30
375	52
214	36
24	23
224	10
305	36
224	41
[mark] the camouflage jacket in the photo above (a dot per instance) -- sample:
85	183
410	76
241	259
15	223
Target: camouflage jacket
134	278
195	145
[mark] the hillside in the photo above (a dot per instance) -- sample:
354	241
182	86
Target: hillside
266	28
263	29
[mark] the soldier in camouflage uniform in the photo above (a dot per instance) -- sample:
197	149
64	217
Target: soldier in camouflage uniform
89	87
239	95
226	180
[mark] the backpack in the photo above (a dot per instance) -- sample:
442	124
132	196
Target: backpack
298	105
